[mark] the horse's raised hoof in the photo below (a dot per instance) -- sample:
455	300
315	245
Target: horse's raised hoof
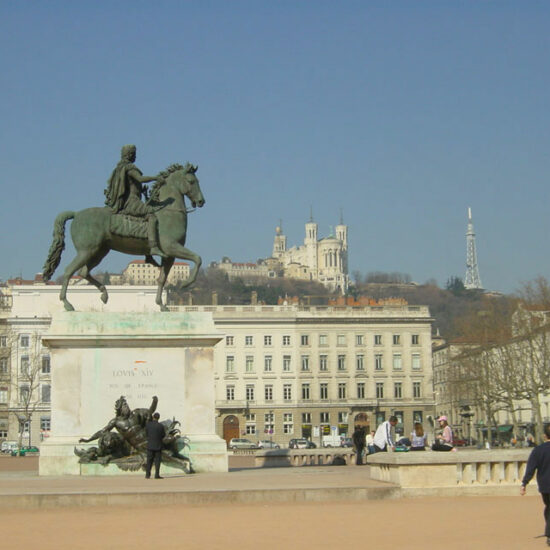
68	306
104	297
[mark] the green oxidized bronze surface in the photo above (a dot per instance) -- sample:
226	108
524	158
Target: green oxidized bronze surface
126	224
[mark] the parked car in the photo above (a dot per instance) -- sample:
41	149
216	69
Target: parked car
25	451
267	444
311	445
301	443
241	443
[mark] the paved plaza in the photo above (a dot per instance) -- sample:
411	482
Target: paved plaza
314	507
506	523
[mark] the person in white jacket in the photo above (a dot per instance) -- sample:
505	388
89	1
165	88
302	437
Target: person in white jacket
383	437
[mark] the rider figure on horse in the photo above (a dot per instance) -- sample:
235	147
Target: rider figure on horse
123	196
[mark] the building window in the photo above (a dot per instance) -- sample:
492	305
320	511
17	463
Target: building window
379	390
304	340
359	340
323	339
46	393
286	340
305	363
46	367
269	393
24	394
288	423
396	339
267	340
324	417
417	416
250	429
417	389
323	391
306	418
3	341
268	363
342	390
360	390
378	364
343	417
286	363
249	363
287	392
230	363
305	392
377	339
323	362
360	362
25	365
250	392
341	340
24	341
397	365
4	365
415	339
248	340
230	393
45	423
398	390
341	362
416	361
229	341
3	394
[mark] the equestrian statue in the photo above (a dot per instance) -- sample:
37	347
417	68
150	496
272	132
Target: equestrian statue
156	226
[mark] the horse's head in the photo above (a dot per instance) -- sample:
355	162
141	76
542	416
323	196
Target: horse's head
187	183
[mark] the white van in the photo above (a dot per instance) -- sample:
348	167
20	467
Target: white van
332	440
8	446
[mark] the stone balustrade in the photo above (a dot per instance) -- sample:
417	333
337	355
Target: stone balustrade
468	471
303	457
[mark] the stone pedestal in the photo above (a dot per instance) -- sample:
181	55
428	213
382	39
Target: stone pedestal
97	357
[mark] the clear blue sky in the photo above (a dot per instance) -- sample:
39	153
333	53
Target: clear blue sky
403	114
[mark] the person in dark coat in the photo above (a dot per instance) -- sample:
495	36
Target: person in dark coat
539	460
155	434
359	442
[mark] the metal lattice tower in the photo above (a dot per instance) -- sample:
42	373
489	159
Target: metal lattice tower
472	280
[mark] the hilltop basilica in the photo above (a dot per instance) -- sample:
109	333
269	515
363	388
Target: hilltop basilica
324	260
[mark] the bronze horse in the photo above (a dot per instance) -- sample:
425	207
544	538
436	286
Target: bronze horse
93	237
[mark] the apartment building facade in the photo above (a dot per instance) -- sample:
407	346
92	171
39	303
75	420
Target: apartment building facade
284	372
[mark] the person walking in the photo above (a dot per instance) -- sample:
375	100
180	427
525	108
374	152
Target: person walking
383	439
155	434
539	460
359	443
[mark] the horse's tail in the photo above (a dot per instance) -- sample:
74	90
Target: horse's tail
58	244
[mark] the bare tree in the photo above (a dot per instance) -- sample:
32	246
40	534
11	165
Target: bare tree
29	390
